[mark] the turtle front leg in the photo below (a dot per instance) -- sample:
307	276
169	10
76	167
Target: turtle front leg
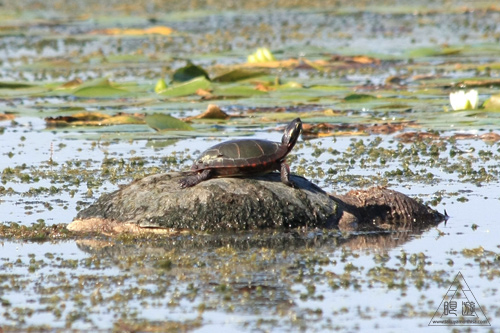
285	175
198	177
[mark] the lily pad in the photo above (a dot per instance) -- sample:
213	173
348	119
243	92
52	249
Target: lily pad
481	82
94	119
189	72
493	103
237	91
187	88
98	88
14	85
358	97
157	30
238	74
102	91
70	84
433	52
212	112
23	91
163	122
6	116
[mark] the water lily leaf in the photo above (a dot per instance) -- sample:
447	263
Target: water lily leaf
433	52
314	64
329	129
238	74
187	88
493	103
189	72
280	116
163	122
99	88
360	59
94	119
70	84
23	91
480	82
14	85
289	85
212	112
358	97
157	30
237	91
102	81
487	66
6	116
100	91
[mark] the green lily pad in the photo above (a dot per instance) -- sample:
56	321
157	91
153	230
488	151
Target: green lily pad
163	122
98	88
14	85
189	72
187	88
433	52
238	74
493	103
243	91
93	119
101	91
23	92
358	97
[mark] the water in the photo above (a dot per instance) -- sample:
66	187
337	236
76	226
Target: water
285	300
310	280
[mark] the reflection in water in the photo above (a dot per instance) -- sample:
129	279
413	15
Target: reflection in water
373	238
251	272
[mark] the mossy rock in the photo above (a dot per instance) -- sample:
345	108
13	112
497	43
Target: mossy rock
156	203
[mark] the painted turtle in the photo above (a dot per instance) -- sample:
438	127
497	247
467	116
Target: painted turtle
245	157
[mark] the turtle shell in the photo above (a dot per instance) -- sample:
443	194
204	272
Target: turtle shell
239	157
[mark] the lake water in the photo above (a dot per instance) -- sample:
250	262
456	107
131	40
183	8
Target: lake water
310	280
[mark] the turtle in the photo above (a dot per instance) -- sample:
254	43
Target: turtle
245	157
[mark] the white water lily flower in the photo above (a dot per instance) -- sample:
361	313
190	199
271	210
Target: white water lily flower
462	100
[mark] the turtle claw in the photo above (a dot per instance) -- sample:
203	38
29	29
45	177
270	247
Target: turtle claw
188	181
183	183
195	179
290	183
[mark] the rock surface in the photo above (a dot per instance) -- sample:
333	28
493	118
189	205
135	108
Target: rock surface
385	208
158	203
218	204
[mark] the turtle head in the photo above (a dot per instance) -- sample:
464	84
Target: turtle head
292	132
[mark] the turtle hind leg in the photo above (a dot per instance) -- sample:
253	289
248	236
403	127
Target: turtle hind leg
196	178
285	175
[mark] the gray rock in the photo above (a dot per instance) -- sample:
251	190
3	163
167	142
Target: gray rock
217	204
249	203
